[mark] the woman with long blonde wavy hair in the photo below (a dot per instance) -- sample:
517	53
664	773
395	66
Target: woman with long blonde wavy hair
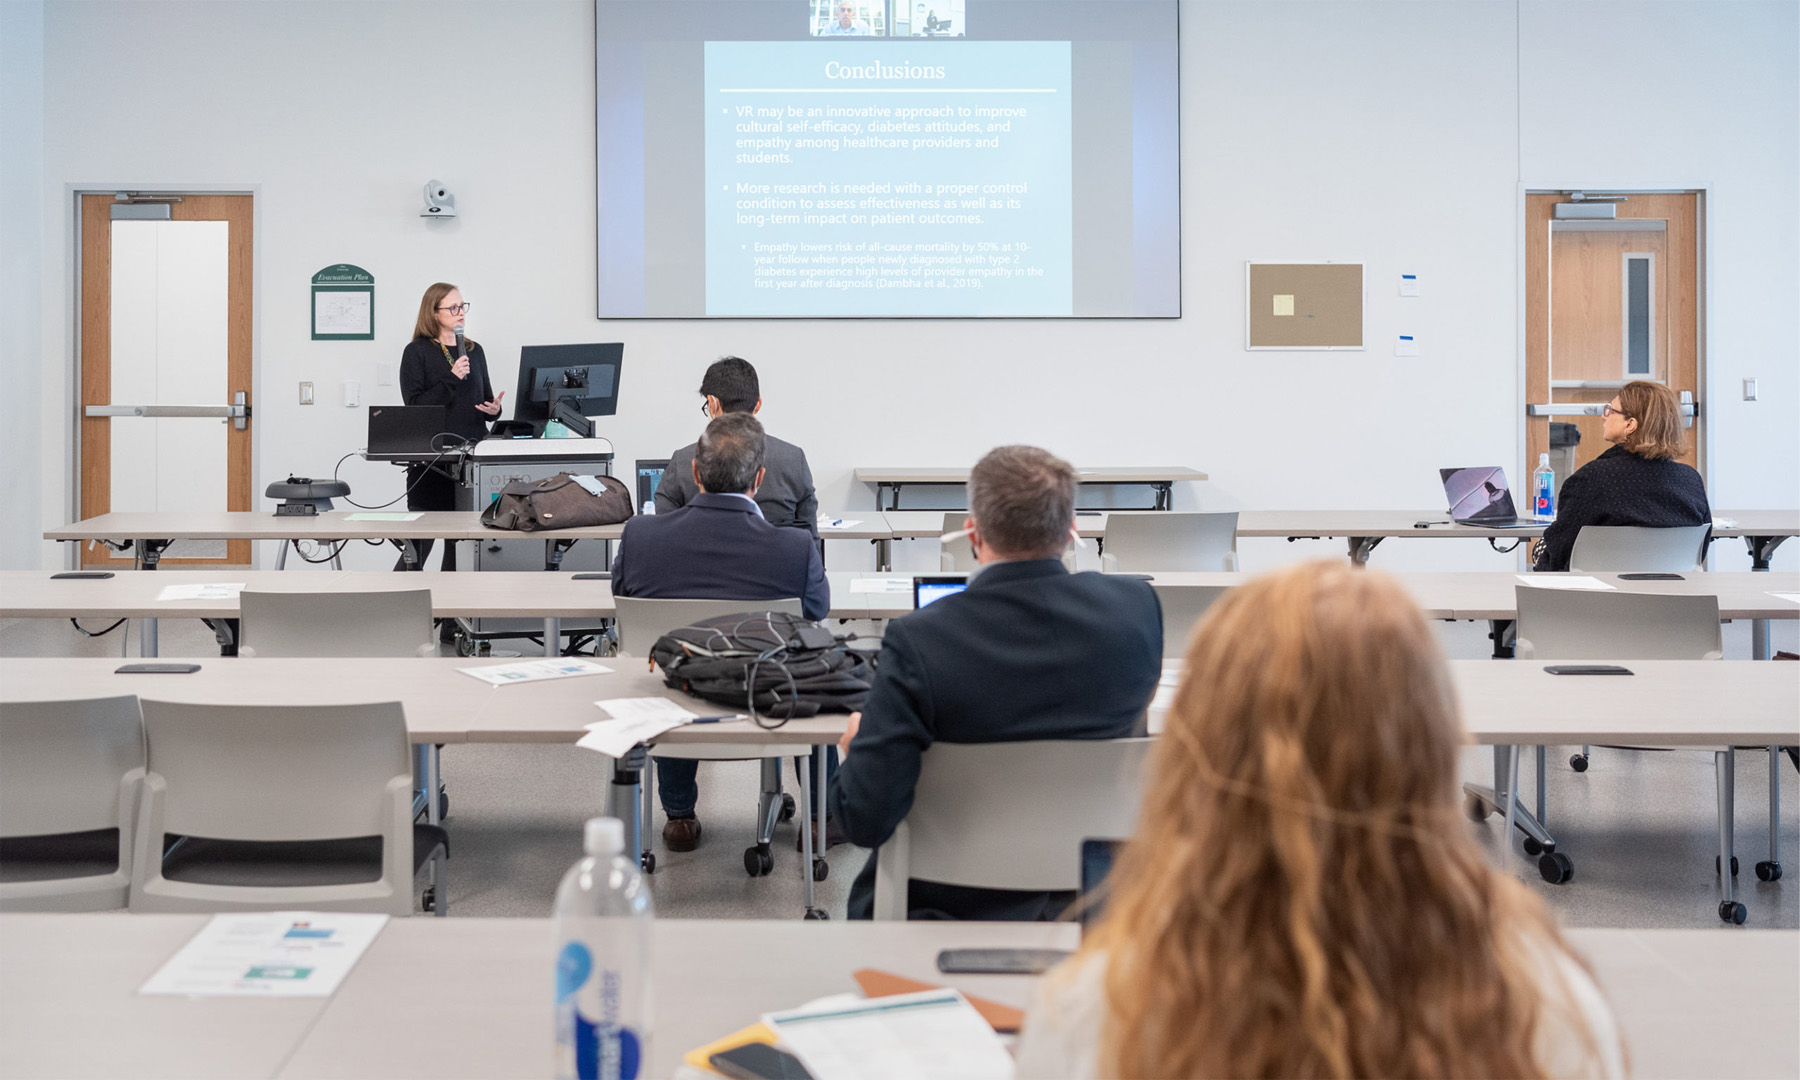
1302	897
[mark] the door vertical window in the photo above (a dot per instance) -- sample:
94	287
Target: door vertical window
1638	281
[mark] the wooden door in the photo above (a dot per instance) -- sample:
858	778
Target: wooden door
1608	301
214	455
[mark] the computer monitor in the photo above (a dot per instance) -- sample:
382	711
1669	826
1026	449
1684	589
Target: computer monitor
649	478
541	373
930	589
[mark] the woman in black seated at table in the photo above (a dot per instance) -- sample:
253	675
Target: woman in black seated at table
433	373
1635	482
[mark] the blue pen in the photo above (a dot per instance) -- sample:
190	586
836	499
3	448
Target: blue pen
718	719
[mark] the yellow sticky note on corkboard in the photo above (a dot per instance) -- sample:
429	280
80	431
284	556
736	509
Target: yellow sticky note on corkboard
1284	304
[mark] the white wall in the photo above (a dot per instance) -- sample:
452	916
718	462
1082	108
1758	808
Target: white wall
25	366
1383	131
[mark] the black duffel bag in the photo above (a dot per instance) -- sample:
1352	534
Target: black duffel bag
768	663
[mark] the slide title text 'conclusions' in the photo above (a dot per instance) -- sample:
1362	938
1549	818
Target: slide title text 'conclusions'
878	70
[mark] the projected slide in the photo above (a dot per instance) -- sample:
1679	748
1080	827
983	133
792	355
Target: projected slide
899	178
824	159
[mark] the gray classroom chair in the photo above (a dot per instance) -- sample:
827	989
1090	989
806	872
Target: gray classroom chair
69	775
1555	624
280	807
1182	607
396	623
1633	549
325	624
1168	541
1010	815
641	621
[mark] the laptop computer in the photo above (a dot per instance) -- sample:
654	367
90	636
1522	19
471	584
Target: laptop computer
649	478
928	590
1479	496
408	432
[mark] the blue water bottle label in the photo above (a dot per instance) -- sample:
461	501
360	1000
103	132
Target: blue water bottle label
604	1047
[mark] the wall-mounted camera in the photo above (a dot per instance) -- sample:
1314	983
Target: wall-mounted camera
438	201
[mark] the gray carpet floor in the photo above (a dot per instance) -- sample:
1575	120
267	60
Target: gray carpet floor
1639	826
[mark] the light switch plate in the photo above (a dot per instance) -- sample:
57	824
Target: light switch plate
1749	389
306	393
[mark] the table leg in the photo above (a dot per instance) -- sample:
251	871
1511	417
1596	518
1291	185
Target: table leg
623	794
432	772
281	555
1165	496
1512	791
147	645
1774	809
1725	767
553	636
884	555
1361	547
1542	810
806	845
1759	639
410	554
1762	550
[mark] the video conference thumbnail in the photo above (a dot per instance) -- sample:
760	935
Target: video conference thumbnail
888	18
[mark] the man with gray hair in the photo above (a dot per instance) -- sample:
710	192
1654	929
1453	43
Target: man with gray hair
717	547
1027	651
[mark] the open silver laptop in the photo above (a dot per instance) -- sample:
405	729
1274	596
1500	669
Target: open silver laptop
1479	496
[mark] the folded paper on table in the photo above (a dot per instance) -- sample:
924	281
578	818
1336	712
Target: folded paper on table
534	670
1794	596
1559	581
936	1033
635	720
267	954
881	584
837	524
1722	522
216	591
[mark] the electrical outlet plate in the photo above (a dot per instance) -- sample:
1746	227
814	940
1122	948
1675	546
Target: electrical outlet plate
306	393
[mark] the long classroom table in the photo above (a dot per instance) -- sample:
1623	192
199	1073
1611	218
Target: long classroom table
445	999
1666	703
1761	530
1161	479
552	597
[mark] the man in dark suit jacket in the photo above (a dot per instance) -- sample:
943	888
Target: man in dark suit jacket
717	547
1027	651
786	495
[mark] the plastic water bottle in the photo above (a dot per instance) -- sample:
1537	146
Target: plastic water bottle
1543	487
603	922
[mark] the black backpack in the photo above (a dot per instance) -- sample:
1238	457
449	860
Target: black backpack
768	663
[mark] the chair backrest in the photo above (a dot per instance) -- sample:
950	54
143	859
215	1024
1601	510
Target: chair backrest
1564	624
63	764
1171	541
276	772
1182	606
956	554
1629	548
383	623
642	621
1011	815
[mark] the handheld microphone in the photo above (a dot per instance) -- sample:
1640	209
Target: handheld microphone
462	350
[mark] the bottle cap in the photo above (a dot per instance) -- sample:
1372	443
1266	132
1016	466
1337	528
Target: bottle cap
604	836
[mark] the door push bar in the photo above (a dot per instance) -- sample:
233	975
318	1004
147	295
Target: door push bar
238	412
1689	409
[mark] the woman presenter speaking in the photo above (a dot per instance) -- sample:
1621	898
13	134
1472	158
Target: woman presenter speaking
443	367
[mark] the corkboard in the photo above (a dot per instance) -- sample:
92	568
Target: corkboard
1303	306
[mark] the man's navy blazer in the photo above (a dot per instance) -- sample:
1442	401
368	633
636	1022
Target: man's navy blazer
718	547
1027	651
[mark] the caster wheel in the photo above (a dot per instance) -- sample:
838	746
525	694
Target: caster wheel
758	861
1768	871
648	862
821	869
1532	847
1734	865
1578	762
443	804
1555	867
428	900
464	647
787	808
813	914
1475	809
1733	912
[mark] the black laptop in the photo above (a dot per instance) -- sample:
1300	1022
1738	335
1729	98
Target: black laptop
408	432
1479	496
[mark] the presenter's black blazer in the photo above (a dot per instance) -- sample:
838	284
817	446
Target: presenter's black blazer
425	379
1621	488
1027	651
718	547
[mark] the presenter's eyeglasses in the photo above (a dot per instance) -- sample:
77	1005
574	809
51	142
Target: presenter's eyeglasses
455	309
1614	410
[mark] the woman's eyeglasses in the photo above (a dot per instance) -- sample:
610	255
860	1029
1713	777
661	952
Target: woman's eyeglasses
1613	410
455	309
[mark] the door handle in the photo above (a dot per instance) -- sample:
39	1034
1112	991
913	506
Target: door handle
1689	408
238	412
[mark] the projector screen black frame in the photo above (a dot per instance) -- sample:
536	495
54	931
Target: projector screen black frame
1174	260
